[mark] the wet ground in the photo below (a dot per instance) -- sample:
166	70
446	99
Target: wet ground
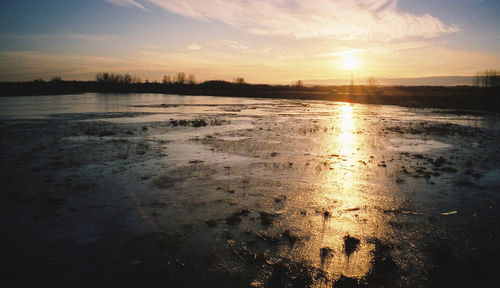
158	190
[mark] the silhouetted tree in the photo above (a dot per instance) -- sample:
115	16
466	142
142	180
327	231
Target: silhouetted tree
373	85
99	77
487	79
116	78
239	80
127	79
56	79
298	83
166	79
105	77
180	78
191	79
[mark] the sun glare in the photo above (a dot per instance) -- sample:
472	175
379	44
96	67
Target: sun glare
349	62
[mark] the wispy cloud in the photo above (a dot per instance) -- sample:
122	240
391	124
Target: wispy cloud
193	46
126	3
376	48
238	46
305	19
342	51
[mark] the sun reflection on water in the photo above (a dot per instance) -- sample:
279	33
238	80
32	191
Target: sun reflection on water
346	143
345	149
342	193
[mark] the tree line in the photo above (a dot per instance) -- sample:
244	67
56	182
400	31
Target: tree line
179	78
486	79
116	78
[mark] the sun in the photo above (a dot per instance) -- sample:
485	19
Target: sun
349	62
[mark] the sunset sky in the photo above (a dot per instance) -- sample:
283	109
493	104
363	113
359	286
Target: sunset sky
274	41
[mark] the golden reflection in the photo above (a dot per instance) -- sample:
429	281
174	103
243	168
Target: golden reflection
341	193
346	145
346	140
347	177
346	127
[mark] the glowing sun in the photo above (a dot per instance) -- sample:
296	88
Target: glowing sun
349	62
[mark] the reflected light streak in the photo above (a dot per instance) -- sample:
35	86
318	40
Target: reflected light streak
344	199
347	177
347	142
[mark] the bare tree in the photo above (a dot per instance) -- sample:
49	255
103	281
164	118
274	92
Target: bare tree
298	83
374	85
191	79
180	78
166	79
487	79
372	82
99	77
105	77
127	79
239	80
116	78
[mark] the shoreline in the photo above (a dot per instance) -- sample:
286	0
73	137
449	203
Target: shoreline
459	97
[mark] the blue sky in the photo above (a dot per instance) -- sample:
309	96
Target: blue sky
275	41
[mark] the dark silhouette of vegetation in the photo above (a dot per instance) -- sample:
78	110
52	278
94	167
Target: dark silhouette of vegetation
374	86
166	79
180	78
482	97
239	80
116	78
372	82
487	79
191	79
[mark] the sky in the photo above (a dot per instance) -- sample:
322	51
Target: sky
273	41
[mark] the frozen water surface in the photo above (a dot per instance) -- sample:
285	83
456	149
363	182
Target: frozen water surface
236	192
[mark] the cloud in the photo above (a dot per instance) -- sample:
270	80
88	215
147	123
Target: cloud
126	3
193	46
374	49
238	46
305	19
342	51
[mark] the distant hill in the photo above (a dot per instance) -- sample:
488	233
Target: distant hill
420	81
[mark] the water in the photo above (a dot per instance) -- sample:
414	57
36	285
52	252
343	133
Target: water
42	106
263	191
